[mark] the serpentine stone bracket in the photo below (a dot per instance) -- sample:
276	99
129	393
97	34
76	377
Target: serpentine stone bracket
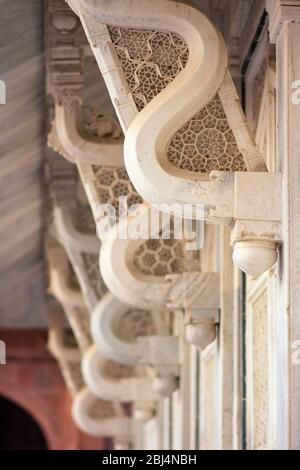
66	88
198	150
82	249
101	418
159	274
92	415
150	343
106	380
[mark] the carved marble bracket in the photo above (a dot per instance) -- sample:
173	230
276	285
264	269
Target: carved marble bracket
69	138
252	206
101	419
61	285
78	247
195	293
155	348
92	415
97	372
106	379
70	135
180	150
198	295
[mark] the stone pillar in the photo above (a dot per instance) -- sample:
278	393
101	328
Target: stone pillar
285	33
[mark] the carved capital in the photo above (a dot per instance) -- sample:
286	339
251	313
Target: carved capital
256	232
68	97
254	213
199	295
62	25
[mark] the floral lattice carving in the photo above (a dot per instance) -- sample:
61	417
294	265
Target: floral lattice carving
113	183
160	257
150	60
91	263
135	323
206	143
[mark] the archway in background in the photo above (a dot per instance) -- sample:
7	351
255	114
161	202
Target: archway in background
18	429
31	379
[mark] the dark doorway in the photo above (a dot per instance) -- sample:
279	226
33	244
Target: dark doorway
18	429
